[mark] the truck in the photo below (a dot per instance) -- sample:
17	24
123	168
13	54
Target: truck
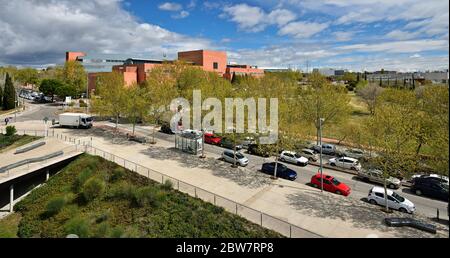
77	120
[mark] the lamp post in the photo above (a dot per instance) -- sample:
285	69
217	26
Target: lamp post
15	109
203	144
321	164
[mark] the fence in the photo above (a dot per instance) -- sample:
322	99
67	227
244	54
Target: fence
283	227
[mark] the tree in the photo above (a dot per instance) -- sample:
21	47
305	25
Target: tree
1	96
110	95
73	74
322	100
50	87
370	95
137	104
27	76
9	94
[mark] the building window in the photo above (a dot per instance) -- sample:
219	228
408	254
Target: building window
215	65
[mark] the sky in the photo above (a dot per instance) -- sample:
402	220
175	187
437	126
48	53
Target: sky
401	35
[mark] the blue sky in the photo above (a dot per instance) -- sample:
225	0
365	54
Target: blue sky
401	35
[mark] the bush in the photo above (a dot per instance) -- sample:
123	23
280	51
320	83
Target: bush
81	179
93	188
81	101
147	196
102	230
122	190
54	206
117	173
83	104
10	130
77	226
167	185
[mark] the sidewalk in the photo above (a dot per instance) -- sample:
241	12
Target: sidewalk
326	214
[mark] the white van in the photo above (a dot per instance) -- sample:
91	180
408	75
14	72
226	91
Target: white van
395	201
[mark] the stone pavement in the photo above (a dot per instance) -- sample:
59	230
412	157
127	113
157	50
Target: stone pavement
325	214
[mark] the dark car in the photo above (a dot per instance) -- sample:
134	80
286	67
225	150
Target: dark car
263	150
165	128
229	144
430	187
282	171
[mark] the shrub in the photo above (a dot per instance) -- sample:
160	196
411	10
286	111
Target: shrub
81	179
54	206
117	232
167	185
81	101
77	226
102	230
10	130
93	188
83	104
117	173
147	196
122	190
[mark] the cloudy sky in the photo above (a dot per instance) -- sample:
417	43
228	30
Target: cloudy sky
401	35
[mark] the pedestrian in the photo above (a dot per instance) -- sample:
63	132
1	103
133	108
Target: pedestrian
6	120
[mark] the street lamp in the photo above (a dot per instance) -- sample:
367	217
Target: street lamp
15	109
320	142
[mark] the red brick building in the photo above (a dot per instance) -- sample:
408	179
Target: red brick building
135	70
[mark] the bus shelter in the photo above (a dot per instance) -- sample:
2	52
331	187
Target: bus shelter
189	141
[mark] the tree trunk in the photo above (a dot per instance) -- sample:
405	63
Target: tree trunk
117	121
385	195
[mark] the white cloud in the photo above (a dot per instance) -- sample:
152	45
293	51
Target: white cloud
402	35
302	29
181	15
254	19
168	6
44	30
343	35
399	46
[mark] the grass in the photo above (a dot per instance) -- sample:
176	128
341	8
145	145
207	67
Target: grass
9	225
14	141
128	205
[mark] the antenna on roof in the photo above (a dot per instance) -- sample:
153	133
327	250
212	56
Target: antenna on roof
164	55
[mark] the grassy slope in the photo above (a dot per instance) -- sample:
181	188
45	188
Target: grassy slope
177	215
14	141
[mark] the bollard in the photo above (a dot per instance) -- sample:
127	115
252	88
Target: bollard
11	198
437	214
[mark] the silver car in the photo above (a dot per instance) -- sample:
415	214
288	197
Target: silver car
310	155
229	156
376	176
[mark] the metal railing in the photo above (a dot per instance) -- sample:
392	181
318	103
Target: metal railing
265	220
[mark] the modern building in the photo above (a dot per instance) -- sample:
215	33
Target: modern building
135	69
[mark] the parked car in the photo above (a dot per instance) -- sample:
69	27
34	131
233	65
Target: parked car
309	154
282	170
329	149
330	184
346	162
211	138
353	153
395	201
259	149
431	187
294	158
376	176
229	143
247	141
229	156
439	178
165	128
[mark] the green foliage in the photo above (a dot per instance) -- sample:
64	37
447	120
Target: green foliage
161	213
168	185
54	206
9	94
74	76
1	96
93	188
117	174
148	196
51	87
27	76
78	226
10	130
81	179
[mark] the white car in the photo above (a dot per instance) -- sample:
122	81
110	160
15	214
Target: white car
294	158
346	162
395	201
229	156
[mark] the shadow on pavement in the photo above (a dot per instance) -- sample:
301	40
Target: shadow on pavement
357	212
241	176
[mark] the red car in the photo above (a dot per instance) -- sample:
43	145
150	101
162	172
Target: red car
330	184
212	139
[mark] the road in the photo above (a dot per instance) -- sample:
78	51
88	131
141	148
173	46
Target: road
424	205
360	189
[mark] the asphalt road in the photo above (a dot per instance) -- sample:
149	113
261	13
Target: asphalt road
424	205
